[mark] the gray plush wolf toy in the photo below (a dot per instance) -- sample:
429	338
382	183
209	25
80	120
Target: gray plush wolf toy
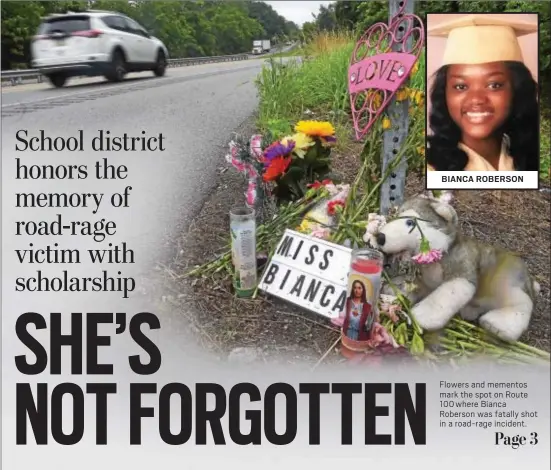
479	282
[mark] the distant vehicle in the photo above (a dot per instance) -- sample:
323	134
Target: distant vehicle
95	43
260	46
289	43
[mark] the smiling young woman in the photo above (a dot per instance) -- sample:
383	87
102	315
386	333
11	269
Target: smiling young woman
484	109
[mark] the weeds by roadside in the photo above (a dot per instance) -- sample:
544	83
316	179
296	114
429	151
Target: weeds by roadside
545	148
295	88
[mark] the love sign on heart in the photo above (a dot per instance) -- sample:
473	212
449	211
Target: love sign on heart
380	64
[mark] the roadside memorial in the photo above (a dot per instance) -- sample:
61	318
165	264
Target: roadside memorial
319	242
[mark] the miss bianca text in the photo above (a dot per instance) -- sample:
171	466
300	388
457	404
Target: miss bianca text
181	410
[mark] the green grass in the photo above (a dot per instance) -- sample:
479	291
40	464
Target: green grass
289	89
545	148
296	52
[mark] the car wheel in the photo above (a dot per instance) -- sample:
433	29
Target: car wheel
118	67
57	79
160	65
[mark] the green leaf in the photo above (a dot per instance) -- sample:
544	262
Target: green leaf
294	173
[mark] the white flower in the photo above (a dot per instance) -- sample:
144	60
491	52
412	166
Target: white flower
446	197
370	239
372	227
374	224
332	189
343	187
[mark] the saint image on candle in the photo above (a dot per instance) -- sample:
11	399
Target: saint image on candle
359	315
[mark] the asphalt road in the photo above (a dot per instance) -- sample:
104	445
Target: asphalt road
196	109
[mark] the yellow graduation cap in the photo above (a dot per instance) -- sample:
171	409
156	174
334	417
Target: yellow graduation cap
478	39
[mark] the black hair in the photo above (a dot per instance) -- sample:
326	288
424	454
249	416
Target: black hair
521	126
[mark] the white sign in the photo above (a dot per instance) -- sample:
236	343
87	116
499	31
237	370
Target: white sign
309	272
482	180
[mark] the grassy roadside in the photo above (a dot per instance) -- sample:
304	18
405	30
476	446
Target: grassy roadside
317	89
545	147
296	52
270	328
292	90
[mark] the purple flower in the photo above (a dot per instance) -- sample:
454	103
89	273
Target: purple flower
277	149
328	141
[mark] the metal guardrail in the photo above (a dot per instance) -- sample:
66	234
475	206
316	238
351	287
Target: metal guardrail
20	77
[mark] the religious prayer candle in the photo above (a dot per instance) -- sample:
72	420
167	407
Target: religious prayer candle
367	266
243	237
364	285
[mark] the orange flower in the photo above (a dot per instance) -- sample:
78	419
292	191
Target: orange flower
277	167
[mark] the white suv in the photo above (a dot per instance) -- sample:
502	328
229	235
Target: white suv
95	43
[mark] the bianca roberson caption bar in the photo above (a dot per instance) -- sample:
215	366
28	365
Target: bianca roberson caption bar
227	407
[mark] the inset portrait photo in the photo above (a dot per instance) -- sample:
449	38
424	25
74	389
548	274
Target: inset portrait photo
482	104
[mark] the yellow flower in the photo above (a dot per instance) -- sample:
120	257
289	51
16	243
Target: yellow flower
415	68
304	226
376	98
386	123
420	98
302	143
421	150
315	128
402	94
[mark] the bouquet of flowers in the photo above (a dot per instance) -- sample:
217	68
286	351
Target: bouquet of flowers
286	166
298	159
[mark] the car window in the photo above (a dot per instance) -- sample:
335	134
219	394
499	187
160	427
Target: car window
136	28
65	24
115	22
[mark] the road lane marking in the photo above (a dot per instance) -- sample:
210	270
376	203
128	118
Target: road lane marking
134	81
14	109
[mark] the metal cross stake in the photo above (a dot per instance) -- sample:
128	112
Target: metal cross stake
393	188
380	65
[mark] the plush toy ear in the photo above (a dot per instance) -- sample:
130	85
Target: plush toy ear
427	194
445	211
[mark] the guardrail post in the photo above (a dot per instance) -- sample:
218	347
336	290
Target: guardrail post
392	190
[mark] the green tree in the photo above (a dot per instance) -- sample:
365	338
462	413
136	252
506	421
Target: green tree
347	14
188	28
309	29
326	19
